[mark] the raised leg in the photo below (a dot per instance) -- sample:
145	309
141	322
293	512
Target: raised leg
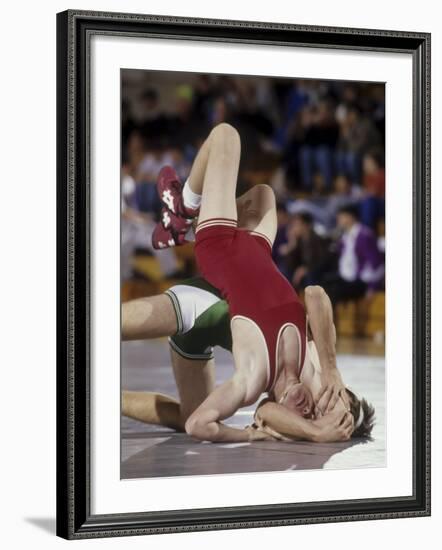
151	317
209	190
215	172
257	211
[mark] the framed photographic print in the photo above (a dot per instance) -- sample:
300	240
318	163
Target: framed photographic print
243	274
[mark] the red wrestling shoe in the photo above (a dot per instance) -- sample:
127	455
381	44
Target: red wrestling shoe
179	224
170	191
170	230
166	238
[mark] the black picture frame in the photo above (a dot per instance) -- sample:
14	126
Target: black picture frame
74	31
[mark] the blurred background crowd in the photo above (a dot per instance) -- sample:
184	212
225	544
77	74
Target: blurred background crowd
319	144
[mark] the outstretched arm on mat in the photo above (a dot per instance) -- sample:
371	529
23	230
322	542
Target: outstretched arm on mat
205	423
283	423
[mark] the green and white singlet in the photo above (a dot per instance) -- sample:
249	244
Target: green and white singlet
202	318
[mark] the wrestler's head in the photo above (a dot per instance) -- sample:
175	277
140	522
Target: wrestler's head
363	415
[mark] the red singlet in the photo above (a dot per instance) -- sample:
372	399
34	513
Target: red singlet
239	263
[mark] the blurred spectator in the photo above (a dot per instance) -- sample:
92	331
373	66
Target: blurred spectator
344	194
255	110
154	159
325	208
186	126
374	174
294	101
373	204
154	126
136	231
357	133
146	175
320	137
203	93
135	150
306	252
128	124
377	107
318	143
128	187
288	135
360	263
219	111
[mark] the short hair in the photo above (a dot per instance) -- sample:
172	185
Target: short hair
351	209
356	405
305	217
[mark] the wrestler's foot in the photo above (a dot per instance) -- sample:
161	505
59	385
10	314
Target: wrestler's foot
166	238
170	191
177	224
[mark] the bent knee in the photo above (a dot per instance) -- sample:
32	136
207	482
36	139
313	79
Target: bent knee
314	292
264	193
258	199
225	133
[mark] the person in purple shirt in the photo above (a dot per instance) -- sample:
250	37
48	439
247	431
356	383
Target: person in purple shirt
360	269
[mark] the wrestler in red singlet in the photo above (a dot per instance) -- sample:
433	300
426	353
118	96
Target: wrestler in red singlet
239	263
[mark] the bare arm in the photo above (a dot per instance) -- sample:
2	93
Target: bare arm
335	426
282	420
320	316
224	401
